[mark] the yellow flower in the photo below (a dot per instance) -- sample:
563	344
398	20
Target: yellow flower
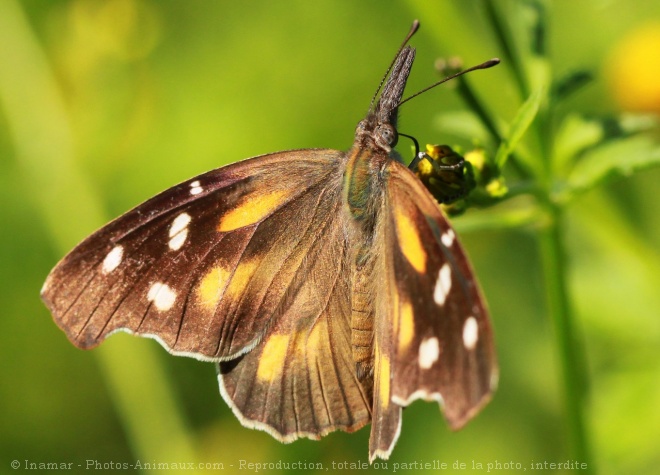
633	70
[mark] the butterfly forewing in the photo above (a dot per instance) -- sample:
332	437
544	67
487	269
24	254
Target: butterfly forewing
189	264
442	344
433	338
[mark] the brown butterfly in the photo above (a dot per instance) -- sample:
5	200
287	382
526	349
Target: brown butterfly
328	286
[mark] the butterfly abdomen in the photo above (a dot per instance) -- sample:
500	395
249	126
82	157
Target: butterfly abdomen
362	318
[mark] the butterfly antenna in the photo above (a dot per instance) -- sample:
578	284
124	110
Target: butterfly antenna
488	64
413	30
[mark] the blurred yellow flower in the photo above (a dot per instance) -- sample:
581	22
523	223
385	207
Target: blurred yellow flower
633	69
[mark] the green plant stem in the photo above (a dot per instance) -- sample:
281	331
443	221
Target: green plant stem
571	357
510	55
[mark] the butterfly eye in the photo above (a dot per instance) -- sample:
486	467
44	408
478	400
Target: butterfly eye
386	135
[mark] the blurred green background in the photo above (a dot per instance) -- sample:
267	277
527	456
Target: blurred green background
105	103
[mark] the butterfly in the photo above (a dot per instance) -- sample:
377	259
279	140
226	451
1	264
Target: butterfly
328	287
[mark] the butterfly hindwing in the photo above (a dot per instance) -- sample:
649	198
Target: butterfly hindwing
301	380
188	266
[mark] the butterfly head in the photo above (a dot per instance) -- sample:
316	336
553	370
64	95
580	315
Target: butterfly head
379	127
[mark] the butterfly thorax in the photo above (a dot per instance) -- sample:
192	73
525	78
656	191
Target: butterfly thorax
365	168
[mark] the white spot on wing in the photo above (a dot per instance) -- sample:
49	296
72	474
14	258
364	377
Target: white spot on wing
443	285
429	351
195	188
162	296
179	223
113	259
177	241
448	237
470	333
179	231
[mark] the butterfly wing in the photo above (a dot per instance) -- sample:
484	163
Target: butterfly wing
244	264
435	340
301	379
203	266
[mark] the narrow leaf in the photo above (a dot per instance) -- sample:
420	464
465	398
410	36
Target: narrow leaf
616	159
519	125
575	134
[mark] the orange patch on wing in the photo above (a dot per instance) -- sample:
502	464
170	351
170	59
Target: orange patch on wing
409	241
212	286
406	325
241	277
383	368
252	210
272	357
314	340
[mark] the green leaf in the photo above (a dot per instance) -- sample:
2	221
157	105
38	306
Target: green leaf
632	123
519	125
575	134
615	159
